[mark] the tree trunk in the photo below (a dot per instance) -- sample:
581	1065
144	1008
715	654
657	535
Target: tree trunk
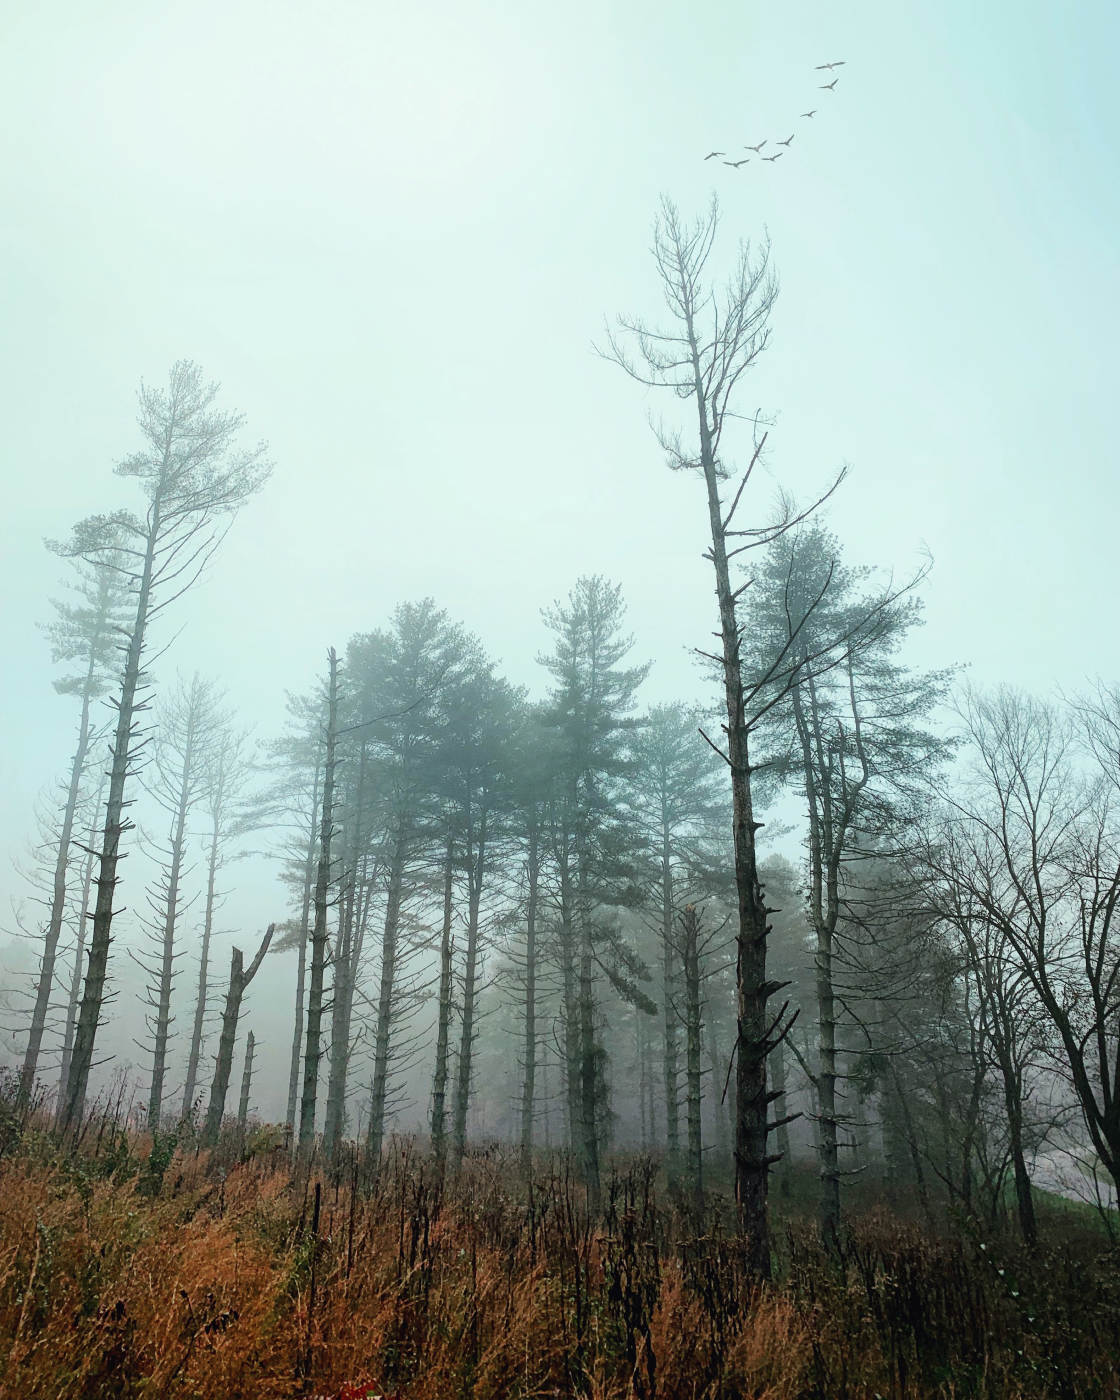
246	1085
195	1053
755	1034
823	910
785	1173
57	910
1013	1103
345	971
589	1075
573	1097
93	995
301	971
313	1048
476	869
338	1059
375	1130
74	997
239	979
223	1065
668	975
717	1067
443	1031
167	960
530	1066
690	923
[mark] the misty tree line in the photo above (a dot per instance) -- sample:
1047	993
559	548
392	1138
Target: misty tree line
553	912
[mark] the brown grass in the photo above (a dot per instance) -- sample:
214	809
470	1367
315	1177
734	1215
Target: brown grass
241	1274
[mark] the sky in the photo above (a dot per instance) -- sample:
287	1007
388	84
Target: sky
394	234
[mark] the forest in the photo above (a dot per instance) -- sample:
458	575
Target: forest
765	1044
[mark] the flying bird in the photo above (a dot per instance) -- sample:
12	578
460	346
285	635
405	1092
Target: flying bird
756	149
735	164
829	86
714	153
813	113
838	64
777	157
787	141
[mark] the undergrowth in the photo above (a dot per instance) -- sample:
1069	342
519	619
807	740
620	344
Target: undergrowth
132	1268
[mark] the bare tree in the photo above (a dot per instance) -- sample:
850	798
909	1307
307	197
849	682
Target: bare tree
239	978
1038	857
194	482
190	723
225	774
712	341
246	1083
295	798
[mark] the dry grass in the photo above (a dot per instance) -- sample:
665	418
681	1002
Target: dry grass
240	1274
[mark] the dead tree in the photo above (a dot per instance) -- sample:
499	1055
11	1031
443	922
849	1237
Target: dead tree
711	343
300	753
194	481
224	777
239	979
246	1085
189	725
1043	867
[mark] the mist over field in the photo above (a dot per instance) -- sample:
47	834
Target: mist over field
557	573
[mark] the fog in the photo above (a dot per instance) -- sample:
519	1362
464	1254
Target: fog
395	236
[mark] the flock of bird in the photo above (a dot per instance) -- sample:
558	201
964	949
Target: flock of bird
824	87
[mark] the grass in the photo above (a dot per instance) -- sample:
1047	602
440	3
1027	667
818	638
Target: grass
238	1273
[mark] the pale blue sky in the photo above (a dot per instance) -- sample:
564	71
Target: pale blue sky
394	231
